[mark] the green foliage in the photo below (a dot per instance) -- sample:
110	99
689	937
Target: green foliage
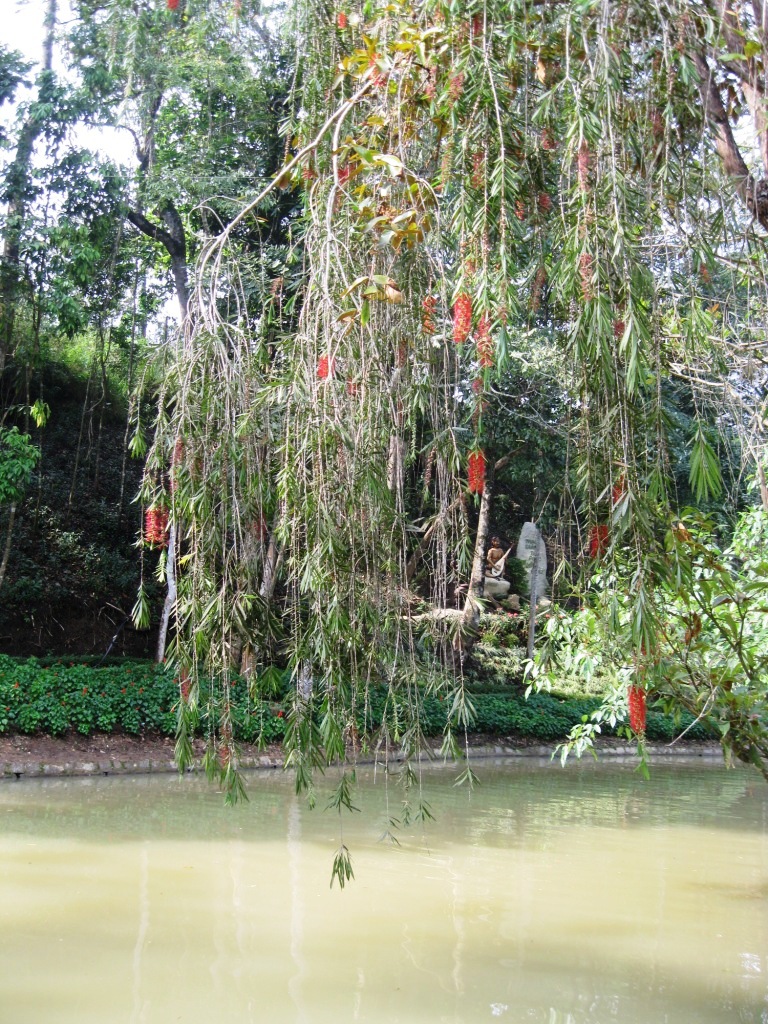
140	697
705	477
131	697
18	458
700	645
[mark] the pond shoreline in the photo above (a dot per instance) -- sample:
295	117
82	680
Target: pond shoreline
23	756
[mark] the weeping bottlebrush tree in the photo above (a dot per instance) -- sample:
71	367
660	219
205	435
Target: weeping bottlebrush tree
476	177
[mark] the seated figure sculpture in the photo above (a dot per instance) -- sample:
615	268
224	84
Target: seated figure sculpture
496	587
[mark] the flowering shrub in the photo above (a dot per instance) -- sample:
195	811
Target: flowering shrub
429	305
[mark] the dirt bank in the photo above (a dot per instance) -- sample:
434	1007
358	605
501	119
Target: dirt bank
28	756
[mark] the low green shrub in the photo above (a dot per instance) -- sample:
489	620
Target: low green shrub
131	697
137	697
541	717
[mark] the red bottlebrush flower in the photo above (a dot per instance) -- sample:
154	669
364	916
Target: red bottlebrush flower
538	287
548	140
156	526
308	174
618	329
476	472
172	4
477	25
462	318
377	76
281	714
345	173
585	273
430	89
477	170
521	210
341	20
545	202
456	86
325	367
598	540
429	305
637	709
484	342
477	385
584	161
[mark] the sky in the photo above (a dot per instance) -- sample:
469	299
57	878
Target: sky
22	29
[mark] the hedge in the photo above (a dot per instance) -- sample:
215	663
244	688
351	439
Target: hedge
140	697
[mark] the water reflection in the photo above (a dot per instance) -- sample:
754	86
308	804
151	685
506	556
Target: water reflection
584	896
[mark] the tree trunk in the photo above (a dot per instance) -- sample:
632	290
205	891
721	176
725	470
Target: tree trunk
173	238
8	539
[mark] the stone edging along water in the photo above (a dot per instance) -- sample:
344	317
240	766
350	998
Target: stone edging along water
141	766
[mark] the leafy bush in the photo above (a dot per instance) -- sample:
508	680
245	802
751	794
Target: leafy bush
130	697
542	717
137	697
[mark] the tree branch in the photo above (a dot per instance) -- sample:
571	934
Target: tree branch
754	193
156	232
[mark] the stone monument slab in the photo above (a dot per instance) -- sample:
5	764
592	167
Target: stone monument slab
532	550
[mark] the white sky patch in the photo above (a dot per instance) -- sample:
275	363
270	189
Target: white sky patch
23	29
22	26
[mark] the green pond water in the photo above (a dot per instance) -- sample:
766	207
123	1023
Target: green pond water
581	895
